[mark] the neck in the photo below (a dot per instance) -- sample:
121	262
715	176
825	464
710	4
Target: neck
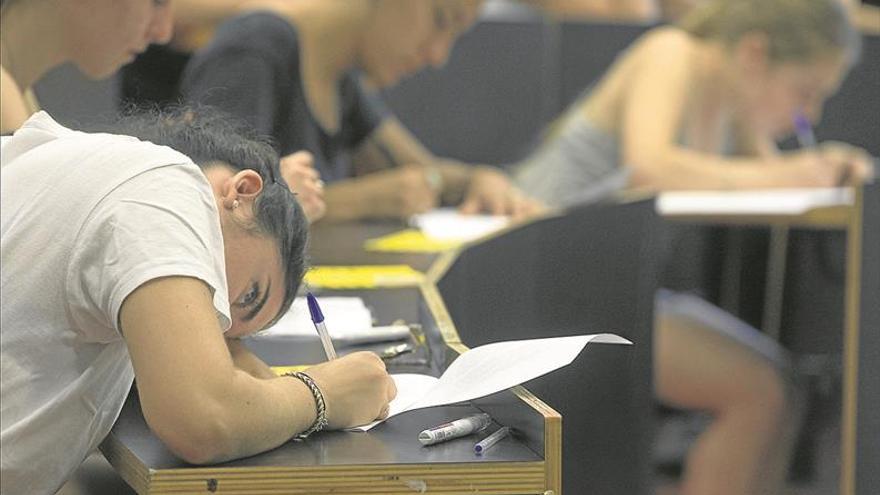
330	32
30	41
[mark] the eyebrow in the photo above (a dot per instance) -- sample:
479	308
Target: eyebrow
259	306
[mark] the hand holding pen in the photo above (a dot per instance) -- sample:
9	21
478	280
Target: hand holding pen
356	388
849	164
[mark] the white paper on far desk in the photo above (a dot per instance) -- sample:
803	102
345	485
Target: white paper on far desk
348	320
752	202
449	224
488	369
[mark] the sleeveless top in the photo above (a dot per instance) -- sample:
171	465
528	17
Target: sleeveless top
580	164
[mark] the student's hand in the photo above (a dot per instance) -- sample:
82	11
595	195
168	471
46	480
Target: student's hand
401	192
356	389
491	191
812	168
855	164
299	172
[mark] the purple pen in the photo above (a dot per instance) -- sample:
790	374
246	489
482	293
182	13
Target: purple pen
318	320
803	131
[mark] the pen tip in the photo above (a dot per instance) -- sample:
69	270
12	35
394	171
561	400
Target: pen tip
314	309
801	122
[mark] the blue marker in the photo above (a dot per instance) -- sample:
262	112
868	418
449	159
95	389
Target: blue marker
318	320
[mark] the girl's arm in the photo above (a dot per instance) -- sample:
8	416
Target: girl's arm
203	407
474	188
246	360
653	112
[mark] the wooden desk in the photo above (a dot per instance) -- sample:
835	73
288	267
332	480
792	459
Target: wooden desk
388	459
343	244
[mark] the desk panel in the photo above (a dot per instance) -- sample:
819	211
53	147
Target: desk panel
592	270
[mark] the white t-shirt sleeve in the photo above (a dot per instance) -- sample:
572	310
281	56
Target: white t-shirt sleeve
161	223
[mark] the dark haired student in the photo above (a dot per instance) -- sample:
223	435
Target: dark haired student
149	267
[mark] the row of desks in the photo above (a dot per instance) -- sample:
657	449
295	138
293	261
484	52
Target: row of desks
390	460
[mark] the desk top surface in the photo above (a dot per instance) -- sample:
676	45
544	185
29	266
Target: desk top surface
343	244
393	442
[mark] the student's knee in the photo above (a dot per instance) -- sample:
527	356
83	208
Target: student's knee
778	395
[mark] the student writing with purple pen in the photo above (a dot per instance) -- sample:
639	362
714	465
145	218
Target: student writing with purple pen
700	105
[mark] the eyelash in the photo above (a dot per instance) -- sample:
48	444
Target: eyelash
250	297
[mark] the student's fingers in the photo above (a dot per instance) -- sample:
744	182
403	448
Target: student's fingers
470	206
383	414
314	208
301	157
414	192
392	389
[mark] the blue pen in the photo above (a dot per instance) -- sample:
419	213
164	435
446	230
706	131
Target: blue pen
318	320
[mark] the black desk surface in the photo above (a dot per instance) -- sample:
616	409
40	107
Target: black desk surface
343	244
388	458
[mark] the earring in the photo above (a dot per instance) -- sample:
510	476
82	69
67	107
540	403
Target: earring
235	204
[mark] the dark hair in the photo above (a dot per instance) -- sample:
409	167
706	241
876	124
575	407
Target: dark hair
798	30
208	136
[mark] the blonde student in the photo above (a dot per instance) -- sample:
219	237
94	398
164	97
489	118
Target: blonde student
150	267
699	105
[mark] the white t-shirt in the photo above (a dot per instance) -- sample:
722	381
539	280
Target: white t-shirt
86	219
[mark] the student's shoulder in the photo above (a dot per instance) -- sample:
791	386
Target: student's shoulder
667	47
666	40
264	32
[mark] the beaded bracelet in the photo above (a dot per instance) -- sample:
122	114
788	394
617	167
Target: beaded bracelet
321	416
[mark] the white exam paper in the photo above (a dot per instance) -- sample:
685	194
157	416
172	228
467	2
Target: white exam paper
488	369
752	202
348	319
449	224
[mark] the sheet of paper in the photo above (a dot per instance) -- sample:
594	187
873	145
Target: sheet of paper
751	202
449	224
489	369
348	320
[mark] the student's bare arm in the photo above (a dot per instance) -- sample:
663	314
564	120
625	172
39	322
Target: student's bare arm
13	108
202	406
246	360
653	113
475	188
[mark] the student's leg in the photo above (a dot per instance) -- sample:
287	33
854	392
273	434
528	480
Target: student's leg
706	360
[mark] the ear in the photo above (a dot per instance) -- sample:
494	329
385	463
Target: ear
752	52
244	186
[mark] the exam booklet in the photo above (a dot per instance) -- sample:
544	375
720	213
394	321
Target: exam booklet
488	369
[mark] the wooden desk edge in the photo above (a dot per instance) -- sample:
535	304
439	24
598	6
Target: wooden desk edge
143	479
851	347
831	217
496	477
